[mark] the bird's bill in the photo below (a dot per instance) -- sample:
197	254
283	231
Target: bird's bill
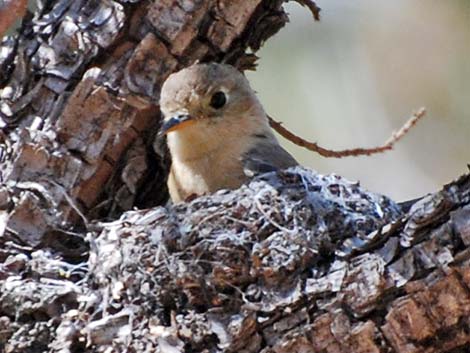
176	123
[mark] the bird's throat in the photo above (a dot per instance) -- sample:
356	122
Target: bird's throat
190	144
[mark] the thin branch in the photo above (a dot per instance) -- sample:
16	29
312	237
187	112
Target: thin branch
312	6
268	218
72	203
10	11
312	146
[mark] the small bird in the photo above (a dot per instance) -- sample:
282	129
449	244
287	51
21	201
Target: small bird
217	131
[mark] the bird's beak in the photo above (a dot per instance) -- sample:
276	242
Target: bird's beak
176	123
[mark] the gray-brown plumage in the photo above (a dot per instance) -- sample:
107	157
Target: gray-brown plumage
217	130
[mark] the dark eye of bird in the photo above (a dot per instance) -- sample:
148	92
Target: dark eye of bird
218	100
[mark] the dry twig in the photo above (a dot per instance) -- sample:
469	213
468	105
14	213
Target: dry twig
312	146
10	11
312	6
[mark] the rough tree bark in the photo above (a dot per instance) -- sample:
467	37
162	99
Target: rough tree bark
292	262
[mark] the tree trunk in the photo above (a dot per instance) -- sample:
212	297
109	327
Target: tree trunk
293	262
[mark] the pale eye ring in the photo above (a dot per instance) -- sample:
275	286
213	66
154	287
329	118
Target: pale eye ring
218	100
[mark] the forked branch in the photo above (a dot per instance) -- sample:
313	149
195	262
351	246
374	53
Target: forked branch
312	6
312	146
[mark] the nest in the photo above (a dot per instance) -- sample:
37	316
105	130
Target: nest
254	269
208	275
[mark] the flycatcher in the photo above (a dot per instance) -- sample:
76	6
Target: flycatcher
217	131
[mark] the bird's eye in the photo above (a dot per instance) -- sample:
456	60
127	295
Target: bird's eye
218	100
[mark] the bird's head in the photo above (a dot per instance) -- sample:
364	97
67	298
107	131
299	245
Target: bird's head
207	98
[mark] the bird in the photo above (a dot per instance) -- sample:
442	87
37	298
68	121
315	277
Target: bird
217	131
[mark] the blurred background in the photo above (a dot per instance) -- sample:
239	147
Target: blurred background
356	76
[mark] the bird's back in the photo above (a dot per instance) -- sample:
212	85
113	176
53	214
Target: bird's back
265	156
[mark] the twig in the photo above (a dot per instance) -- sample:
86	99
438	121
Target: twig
72	203
10	11
259	206
312	6
312	146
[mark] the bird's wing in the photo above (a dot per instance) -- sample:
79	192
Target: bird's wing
266	156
